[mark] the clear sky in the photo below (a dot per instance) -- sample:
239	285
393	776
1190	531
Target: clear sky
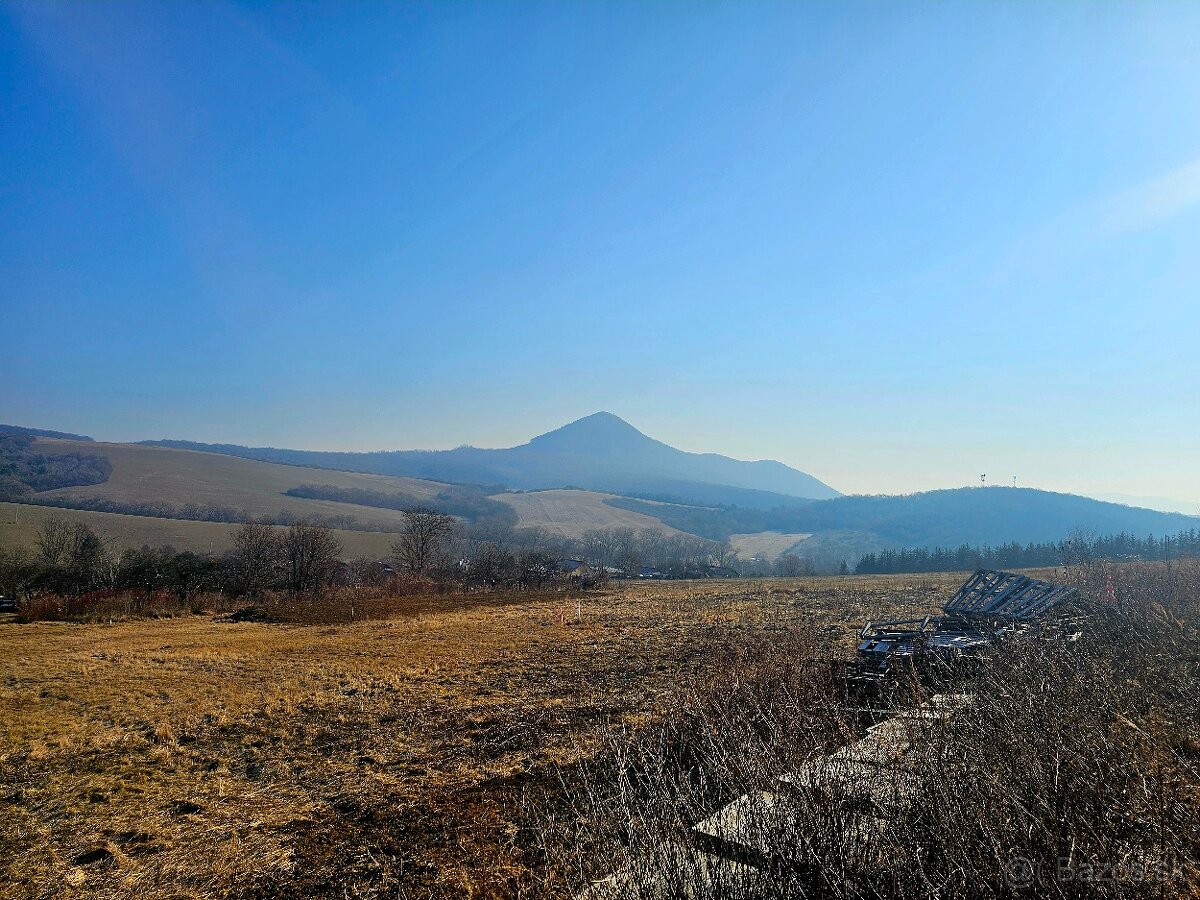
895	245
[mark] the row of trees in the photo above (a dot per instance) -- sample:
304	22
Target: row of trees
1080	547
71	560
630	550
197	512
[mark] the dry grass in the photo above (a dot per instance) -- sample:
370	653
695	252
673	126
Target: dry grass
1071	770
770	545
19	524
143	474
193	758
571	513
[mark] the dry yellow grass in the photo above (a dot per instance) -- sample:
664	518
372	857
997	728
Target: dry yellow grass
143	474
767	544
193	758
571	513
19	524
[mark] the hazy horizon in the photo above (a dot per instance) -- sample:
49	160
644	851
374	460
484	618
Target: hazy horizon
891	246
1163	504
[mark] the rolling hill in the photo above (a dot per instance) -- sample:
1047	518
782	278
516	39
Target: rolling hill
143	474
600	453
589	456
945	518
148	475
571	513
19	524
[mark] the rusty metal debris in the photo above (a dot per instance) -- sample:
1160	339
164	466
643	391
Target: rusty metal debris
989	607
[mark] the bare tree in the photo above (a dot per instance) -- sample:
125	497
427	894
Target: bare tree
256	557
627	549
364	572
87	563
493	565
53	541
423	541
600	546
788	565
311	554
724	553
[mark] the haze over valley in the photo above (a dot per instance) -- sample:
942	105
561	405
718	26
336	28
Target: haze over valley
594	474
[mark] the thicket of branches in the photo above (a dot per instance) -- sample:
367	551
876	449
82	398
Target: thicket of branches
1073	772
73	571
72	568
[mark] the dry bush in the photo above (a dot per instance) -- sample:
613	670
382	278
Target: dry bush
120	606
1074	772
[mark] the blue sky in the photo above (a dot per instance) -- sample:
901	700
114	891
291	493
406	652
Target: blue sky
895	245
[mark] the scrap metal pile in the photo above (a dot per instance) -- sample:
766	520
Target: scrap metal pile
989	607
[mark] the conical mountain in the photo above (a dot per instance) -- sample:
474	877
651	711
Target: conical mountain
599	452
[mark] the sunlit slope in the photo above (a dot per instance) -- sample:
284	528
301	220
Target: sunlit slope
769	545
144	474
19	524
571	513
600	452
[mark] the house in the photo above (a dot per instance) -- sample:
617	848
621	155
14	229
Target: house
649	572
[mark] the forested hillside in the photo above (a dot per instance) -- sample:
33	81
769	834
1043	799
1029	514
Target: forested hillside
25	470
946	518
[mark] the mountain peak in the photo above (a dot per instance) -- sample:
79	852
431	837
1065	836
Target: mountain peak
600	432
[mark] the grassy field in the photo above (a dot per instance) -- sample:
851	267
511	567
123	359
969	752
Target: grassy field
145	474
196	758
571	513
19	524
767	544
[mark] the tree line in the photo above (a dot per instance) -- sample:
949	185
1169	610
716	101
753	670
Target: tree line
469	503
1080	547
70	560
200	512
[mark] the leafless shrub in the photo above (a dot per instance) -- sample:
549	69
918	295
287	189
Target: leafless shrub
1072	772
424	541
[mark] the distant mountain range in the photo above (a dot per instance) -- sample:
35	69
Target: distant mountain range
945	518
706	494
600	452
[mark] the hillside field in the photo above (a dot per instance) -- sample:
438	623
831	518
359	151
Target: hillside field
571	513
143	474
19	524
189	757
769	545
